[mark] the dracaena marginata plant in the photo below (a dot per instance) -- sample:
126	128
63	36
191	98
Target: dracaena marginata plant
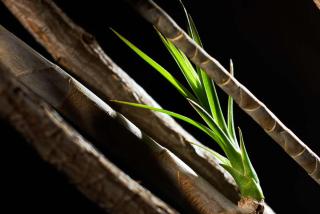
204	99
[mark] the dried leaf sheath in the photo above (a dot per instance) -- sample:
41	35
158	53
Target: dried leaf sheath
302	154
97	119
317	2
80	53
59	144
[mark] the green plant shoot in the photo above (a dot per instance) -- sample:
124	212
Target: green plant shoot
204	99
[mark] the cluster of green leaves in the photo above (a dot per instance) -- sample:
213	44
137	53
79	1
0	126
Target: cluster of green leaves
204	99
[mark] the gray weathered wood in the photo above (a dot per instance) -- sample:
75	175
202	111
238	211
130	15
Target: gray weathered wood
60	145
112	133
79	52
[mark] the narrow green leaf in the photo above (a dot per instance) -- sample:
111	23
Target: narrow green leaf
231	128
193	33
213	100
186	68
158	67
209	120
184	65
248	168
238	177
192	30
247	185
196	124
207	84
220	158
229	149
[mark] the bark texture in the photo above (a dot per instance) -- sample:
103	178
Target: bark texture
291	144
79	52
60	145
113	133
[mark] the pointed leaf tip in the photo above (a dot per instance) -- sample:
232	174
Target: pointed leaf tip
185	92
248	168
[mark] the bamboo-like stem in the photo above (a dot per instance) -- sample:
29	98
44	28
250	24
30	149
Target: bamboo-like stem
291	144
62	146
79	52
113	133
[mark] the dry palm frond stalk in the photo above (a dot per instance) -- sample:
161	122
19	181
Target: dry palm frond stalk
291	144
80	53
133	148
317	2
62	146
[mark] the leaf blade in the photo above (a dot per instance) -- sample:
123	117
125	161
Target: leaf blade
209	89
230	119
229	149
196	124
185	92
219	157
185	67
248	168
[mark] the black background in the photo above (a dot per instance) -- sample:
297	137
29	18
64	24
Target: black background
275	47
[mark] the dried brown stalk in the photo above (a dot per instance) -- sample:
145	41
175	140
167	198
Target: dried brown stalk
79	52
291	144
317	2
112	132
59	144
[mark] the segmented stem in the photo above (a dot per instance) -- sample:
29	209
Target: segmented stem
292	145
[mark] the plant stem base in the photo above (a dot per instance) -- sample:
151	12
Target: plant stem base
251	206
